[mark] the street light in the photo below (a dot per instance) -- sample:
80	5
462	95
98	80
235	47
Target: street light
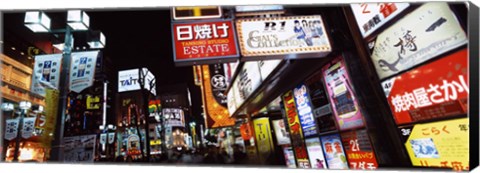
77	20
23	106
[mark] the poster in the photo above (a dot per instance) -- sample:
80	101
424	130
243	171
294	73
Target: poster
333	150
304	108
281	134
174	117
11	129
263	137
438	89
440	144
289	157
315	153
282	35
204	40
342	98
430	30
82	70
217	114
371	16
359	150
46	73
28	127
79	149
296	133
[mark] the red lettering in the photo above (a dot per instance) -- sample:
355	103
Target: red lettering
364	11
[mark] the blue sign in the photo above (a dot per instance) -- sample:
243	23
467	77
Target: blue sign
304	108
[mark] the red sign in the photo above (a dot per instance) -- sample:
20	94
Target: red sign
196	41
295	130
435	90
359	150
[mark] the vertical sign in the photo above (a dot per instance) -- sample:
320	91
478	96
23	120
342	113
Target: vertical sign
315	153
342	97
334	154
215	105
371	16
263	137
283	137
289	157
28	127
359	150
304	108
46	73
82	70
295	130
11	130
51	110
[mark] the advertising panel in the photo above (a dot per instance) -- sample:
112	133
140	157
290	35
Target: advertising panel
82	70
283	137
305	111
318	95
315	153
217	114
333	150
296	133
128	80
204	40
342	98
79	148
359	150
282	36
371	16
51	110
267	66
263	137
46	73
430	30
201	12
289	157
248	79
174	117
435	90
231	102
441	144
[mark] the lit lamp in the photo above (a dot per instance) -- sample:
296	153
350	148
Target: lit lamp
96	40
7	107
25	105
37	21
78	20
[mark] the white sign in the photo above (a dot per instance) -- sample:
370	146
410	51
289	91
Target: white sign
248	79
46	73
103	138
79	148
253	8
283	36
128	80
371	16
429	31
11	130
82	70
266	67
231	104
28	127
173	117
283	137
111	138
315	153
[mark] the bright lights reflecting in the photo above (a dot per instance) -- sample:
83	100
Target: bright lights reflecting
78	20
25	105
37	21
7	107
98	42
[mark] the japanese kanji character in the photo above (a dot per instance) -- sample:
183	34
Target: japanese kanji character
184	33
463	127
409	100
434	97
422	97
457	166
398	103
202	31
444	164
361	165
224	27
371	166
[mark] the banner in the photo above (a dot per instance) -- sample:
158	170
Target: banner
282	36
82	70
11	129
342	98
51	113
283	137
442	144
430	30
359	150
263	137
202	41
217	114
174	117
289	157
315	153
333	150
304	108
371	16
28	127
103	138
435	90
296	133
111	137
79	149
46	73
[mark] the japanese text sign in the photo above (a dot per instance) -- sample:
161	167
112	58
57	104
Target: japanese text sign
342	97
46	73
431	91
333	150
371	16
304	108
199	41
283	35
441	144
315	153
263	137
430	30
359	150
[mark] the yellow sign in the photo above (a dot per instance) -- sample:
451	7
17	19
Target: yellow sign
51	110
263	137
155	142
93	102
203	12
440	144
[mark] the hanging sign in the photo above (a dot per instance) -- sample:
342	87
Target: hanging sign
430	30
111	137
359	150
283	137
333	150
436	90
46	73
82	70
263	137
28	127
304	108
283	36
103	138
371	16
442	144
11	130
201	42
